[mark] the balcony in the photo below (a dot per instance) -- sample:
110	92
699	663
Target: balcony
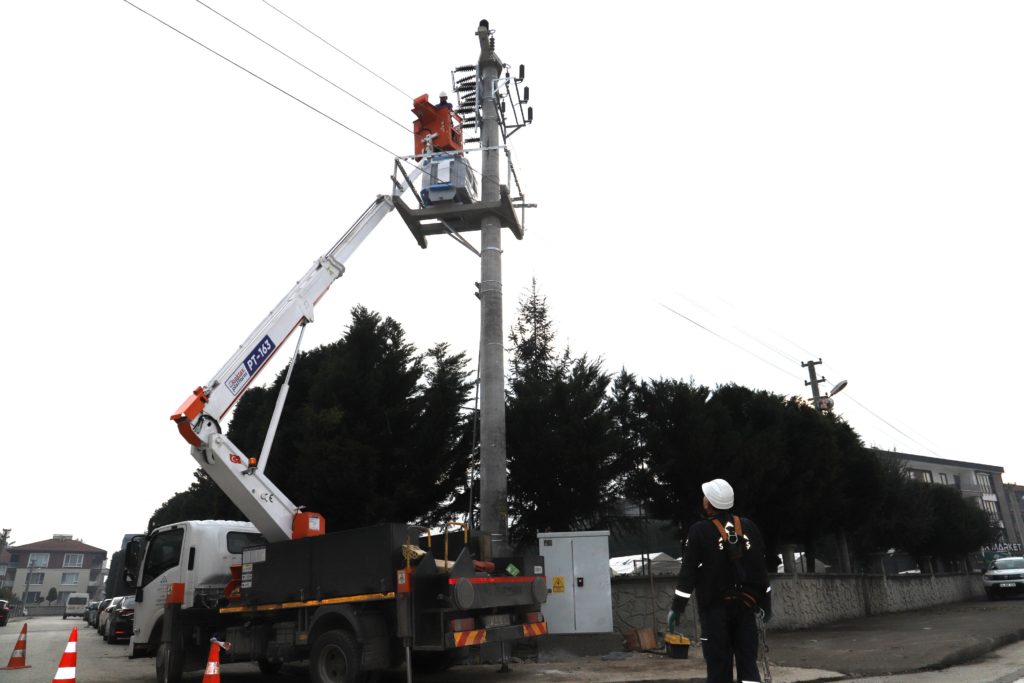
970	490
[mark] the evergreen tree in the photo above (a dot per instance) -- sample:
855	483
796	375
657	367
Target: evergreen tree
372	431
561	451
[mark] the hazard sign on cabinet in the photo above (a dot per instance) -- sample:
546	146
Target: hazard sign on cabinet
558	584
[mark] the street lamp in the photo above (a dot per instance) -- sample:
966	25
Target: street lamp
825	403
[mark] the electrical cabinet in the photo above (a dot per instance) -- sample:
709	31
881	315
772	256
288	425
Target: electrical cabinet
579	581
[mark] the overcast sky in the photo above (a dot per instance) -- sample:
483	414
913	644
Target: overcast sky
724	189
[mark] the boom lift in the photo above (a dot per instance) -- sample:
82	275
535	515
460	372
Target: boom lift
240	477
280	588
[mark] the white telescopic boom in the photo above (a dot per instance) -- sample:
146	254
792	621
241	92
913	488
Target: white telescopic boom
199	416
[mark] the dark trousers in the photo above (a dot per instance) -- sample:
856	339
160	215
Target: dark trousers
729	631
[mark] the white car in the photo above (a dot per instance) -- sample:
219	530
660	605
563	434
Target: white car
1004	576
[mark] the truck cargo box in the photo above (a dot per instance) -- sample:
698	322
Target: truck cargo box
344	563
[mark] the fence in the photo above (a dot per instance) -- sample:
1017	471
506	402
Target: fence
803	600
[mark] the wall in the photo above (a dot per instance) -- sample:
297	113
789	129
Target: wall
803	600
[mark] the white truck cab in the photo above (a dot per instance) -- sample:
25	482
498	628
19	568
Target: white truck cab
198	554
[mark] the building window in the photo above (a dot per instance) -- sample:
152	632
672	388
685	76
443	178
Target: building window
921	475
991	507
69	579
73	560
36	578
943	479
39	559
984	482
32	597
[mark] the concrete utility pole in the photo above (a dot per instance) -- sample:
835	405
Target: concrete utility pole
814	382
493	476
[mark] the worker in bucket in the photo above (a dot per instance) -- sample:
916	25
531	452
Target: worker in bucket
724	561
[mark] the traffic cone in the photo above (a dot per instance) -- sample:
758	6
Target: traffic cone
18	656
68	660
212	674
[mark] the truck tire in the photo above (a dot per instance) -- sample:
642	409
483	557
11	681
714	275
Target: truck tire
335	658
170	662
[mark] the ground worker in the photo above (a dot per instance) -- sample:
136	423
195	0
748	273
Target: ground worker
724	561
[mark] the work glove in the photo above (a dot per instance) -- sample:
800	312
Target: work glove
765	614
673	620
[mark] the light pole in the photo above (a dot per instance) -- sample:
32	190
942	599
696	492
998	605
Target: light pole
24	596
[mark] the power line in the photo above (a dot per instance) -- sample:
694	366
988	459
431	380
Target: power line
336	49
892	426
764	360
318	75
728	341
258	77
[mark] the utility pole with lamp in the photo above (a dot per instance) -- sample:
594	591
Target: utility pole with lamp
824	405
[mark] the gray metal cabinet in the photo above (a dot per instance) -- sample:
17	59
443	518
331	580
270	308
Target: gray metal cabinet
579	581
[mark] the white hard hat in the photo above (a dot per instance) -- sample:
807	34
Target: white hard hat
443	94
719	493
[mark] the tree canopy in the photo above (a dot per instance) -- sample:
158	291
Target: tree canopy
372	431
375	430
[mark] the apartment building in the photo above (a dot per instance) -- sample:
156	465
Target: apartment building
979	483
61	563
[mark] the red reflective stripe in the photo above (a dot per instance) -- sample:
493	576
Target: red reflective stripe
497	579
467	638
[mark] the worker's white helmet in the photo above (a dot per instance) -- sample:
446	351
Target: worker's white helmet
719	493
443	95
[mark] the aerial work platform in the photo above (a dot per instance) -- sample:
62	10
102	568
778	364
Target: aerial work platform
441	219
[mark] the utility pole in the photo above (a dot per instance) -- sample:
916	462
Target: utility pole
824	405
493	476
814	382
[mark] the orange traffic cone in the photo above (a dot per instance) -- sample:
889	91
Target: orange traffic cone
18	656
68	660
212	674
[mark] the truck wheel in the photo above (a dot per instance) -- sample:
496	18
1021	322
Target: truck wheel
335	658
269	667
169	663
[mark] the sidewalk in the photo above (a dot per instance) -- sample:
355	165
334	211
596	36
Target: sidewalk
893	643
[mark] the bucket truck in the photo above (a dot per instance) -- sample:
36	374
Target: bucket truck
281	589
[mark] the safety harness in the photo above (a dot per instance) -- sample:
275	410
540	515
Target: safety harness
732	540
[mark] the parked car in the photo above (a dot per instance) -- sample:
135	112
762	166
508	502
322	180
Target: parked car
95	623
1005	576
5	612
107	613
122	618
90	610
75	606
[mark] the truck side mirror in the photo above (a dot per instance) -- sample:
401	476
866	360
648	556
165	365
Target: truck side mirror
132	557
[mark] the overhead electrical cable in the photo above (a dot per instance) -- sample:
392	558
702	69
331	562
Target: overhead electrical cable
781	353
749	335
728	341
315	73
282	90
891	425
258	77
336	49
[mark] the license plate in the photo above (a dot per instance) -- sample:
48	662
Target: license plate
1007	585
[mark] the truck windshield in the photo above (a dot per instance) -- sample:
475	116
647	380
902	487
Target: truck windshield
164	552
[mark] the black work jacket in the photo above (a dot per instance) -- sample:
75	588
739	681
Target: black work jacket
707	568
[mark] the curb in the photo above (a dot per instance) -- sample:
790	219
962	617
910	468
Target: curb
976	650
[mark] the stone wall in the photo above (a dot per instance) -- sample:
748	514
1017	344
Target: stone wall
802	600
